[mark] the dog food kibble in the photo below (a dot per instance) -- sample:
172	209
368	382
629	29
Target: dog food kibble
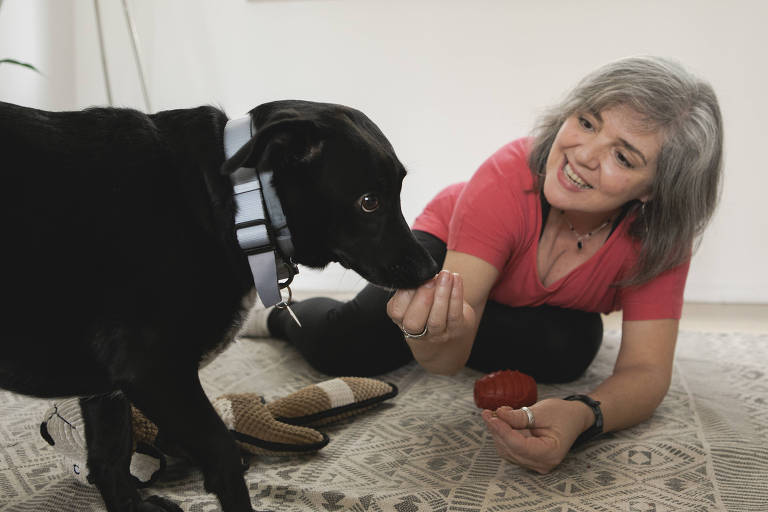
505	387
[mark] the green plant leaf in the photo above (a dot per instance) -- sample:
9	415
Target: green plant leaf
19	63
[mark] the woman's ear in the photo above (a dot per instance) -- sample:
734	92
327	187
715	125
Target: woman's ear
648	195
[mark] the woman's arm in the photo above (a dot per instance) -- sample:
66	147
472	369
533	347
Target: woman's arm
639	382
641	375
450	306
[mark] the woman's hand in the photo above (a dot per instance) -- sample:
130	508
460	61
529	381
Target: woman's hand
557	424
439	307
449	308
638	384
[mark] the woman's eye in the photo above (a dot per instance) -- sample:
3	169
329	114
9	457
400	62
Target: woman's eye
369	203
623	160
585	123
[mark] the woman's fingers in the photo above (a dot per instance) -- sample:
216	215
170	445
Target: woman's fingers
437	320
410	308
415	318
539	447
510	443
456	305
437	305
398	304
511	437
518	446
518	418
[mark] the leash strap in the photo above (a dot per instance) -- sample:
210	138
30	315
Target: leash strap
254	191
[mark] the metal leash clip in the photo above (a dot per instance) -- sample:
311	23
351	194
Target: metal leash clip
285	304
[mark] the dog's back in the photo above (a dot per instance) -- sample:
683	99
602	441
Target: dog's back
108	230
120	265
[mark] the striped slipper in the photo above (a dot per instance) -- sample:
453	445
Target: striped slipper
331	400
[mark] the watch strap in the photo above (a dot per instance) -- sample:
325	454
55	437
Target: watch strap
597	427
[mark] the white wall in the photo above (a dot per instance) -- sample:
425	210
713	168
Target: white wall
39	33
448	81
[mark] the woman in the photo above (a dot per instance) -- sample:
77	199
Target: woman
597	212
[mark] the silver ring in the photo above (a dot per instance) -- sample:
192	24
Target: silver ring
531	419
407	334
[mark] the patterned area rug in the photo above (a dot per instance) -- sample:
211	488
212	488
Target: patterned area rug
704	449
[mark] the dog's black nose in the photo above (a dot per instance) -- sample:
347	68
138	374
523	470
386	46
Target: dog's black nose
428	267
433	269
413	273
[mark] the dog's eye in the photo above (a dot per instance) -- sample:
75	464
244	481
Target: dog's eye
369	203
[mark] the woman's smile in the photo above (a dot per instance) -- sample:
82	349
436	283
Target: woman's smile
572	179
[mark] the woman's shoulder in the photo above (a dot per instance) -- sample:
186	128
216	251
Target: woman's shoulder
515	152
505	172
509	165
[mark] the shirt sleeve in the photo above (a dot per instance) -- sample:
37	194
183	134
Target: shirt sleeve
436	216
487	220
661	297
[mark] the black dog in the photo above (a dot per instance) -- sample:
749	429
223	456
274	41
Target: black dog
121	269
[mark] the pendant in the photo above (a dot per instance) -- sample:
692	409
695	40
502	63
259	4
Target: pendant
579	244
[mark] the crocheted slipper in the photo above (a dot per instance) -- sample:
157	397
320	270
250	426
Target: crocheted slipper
277	428
63	428
331	400
259	433
250	422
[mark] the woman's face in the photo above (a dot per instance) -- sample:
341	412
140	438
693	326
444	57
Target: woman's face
600	161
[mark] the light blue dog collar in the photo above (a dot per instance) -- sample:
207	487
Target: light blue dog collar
260	224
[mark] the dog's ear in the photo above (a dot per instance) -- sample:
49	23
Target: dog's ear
279	143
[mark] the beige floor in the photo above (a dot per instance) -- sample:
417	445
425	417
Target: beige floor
715	318
696	316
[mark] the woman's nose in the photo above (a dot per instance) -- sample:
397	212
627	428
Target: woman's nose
587	155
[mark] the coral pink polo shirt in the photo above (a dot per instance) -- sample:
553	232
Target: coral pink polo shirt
496	216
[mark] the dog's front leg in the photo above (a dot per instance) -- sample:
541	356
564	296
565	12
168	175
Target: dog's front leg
184	415
108	437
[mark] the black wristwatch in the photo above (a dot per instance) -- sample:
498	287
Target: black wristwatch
597	427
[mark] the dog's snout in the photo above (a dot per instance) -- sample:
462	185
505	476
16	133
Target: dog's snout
413	273
433	269
426	266
427	272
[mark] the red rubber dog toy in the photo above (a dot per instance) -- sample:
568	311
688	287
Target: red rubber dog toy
505	387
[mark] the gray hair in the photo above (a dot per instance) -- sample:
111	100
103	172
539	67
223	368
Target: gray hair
686	187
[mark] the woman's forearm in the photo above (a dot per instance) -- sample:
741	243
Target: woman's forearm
631	395
641	375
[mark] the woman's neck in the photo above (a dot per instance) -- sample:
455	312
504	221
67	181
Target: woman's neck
588	222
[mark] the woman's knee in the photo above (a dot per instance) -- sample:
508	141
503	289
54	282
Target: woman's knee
367	361
572	344
549	343
342	347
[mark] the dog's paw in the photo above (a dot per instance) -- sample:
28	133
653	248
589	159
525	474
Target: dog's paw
158	504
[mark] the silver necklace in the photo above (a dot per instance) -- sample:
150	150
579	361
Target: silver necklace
580	239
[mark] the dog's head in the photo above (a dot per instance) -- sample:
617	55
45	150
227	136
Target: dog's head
339	182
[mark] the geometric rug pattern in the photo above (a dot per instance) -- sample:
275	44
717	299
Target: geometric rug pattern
704	449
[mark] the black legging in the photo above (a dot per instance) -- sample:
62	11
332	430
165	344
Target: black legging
551	344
